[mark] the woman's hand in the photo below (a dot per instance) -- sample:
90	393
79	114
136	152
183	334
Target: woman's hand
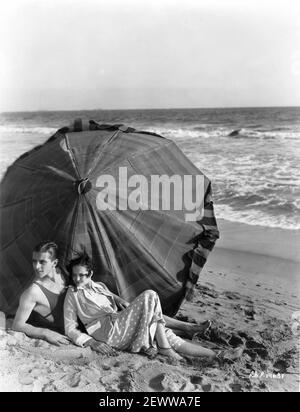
122	304
102	348
55	338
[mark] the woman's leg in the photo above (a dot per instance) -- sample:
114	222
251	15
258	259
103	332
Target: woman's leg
194	349
188	348
163	344
139	325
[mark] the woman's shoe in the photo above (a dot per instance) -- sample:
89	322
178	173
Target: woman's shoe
151	352
169	353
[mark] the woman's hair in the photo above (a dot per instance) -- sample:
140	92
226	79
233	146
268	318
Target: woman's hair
47	246
81	260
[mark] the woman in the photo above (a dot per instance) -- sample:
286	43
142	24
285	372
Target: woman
137	327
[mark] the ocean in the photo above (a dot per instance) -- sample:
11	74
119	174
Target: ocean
255	173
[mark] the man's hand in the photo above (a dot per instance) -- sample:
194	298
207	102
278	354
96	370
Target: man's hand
55	338
102	348
189	290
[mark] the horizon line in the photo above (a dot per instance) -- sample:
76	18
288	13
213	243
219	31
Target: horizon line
153	108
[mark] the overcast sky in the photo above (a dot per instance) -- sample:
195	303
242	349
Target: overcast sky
85	54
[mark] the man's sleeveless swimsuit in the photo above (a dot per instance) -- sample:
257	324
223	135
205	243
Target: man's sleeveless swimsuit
55	318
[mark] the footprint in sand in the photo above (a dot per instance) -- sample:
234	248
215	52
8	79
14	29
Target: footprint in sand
25	379
255	349
201	383
49	387
170	383
250	313
287	359
208	292
157	377
77	379
231	295
235	387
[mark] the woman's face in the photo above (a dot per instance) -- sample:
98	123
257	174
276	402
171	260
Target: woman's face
81	276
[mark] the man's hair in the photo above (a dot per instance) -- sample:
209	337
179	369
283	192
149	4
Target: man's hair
81	260
47	246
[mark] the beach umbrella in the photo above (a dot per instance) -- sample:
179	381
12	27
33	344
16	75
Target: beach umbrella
89	188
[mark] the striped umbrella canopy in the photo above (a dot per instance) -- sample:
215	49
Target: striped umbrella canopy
59	191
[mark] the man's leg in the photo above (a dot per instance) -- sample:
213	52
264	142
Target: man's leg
185	328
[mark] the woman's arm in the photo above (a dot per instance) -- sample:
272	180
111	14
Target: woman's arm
120	301
71	323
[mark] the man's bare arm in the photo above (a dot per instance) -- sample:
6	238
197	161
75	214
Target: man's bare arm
27	303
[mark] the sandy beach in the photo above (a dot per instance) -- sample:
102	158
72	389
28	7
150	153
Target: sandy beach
246	289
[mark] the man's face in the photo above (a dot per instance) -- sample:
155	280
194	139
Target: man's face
43	264
80	275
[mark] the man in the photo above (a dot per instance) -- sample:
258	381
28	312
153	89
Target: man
42	302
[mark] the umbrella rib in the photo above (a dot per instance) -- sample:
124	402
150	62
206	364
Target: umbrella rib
73	226
106	143
59	172
47	169
16	202
72	157
11	241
